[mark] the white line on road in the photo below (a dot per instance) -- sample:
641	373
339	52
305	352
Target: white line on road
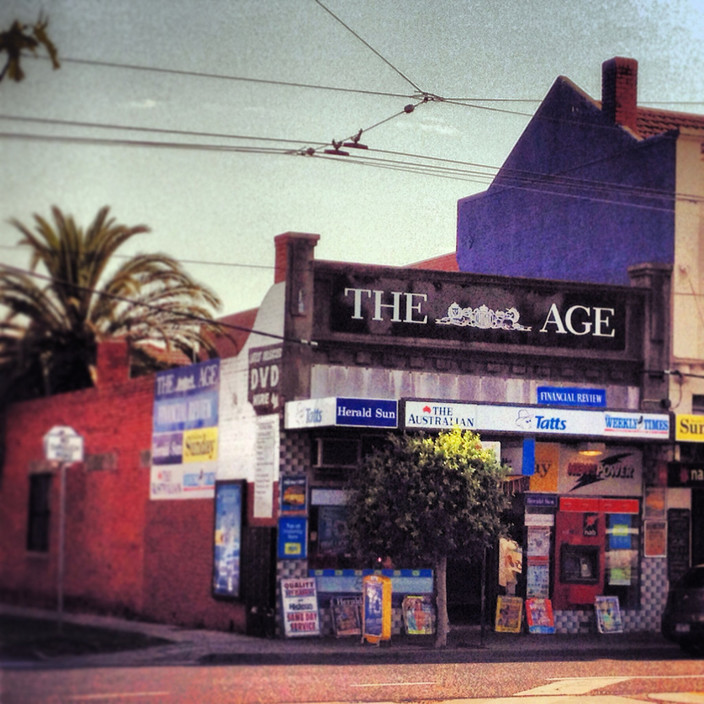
391	684
115	695
570	685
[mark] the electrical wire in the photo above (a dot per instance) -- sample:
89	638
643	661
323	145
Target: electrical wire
123	299
369	46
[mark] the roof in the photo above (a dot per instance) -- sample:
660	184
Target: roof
445	262
652	122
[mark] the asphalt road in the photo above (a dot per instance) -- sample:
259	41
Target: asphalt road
553	681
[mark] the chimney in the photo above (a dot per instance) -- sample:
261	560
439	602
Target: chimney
113	362
619	91
295	242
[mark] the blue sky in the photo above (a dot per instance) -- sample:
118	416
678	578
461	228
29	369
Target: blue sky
219	208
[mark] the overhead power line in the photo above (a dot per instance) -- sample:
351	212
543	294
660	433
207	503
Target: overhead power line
368	45
151	306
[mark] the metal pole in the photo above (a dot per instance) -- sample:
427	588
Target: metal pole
62	538
482	616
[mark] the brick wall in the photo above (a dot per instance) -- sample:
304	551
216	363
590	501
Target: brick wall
124	553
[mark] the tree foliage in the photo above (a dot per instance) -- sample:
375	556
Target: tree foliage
21	38
421	496
422	499
55	319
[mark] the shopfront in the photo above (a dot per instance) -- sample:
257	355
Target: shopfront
540	369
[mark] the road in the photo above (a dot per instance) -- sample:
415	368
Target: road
600	681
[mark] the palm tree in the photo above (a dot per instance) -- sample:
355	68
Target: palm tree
54	322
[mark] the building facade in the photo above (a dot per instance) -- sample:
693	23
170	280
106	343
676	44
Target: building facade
597	186
204	487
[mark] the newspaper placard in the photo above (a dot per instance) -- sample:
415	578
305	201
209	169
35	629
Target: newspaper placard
608	614
509	614
347	616
539	616
418	615
300	607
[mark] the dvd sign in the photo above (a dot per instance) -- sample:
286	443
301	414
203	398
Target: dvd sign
265	378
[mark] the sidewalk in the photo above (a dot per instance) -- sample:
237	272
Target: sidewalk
195	646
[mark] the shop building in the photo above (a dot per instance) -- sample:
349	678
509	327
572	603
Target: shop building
205	486
540	369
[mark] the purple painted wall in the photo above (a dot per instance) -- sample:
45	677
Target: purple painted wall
579	198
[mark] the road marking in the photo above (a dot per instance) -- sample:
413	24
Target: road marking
570	685
391	684
115	695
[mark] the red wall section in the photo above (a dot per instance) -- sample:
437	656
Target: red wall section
179	567
105	498
124	553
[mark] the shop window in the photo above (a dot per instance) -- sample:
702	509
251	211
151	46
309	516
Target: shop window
579	564
697	404
39	513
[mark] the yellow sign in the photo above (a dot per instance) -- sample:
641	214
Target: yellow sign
200	445
547	464
689	428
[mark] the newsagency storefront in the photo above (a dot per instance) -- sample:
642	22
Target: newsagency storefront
545	371
585	526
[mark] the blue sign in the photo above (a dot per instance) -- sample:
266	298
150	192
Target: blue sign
572	396
293	538
228	533
367	412
187	397
528	463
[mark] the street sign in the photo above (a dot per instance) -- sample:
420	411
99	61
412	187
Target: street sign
63	444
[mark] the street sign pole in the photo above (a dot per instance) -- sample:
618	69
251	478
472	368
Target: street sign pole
62	542
64	445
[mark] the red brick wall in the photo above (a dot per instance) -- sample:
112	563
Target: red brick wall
105	498
124	553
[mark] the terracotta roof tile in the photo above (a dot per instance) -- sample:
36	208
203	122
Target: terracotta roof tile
445	262
652	122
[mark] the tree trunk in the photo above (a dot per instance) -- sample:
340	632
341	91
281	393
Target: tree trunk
443	622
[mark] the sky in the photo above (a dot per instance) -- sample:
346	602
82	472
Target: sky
194	117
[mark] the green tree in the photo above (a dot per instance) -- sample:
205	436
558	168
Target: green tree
424	498
18	39
54	320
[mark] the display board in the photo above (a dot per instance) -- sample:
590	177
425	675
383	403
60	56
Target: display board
509	614
608	614
539	616
347	616
418	615
299	600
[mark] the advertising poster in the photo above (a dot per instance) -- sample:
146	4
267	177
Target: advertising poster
347	616
293	538
376	608
185	432
509	614
228	538
547	463
294	493
539	616
608	614
418	615
299	601
537	579
655	538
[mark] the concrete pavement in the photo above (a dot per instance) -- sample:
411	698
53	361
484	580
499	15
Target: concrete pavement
466	644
